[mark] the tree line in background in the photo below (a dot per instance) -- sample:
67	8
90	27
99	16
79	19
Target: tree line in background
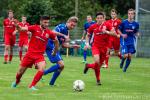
61	10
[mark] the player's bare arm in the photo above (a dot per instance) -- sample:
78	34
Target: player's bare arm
56	43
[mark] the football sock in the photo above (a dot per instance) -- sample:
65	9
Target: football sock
5	58
106	60
20	55
93	65
85	55
97	73
127	64
122	61
18	77
52	69
54	77
36	78
10	57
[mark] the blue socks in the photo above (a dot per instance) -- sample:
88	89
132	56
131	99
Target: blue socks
52	69
127	64
54	77
122	62
84	54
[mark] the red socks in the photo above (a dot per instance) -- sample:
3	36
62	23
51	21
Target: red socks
10	57
20	55
18	77
36	78
91	65
97	73
5	58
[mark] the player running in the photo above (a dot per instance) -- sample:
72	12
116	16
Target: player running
9	38
114	41
128	30
86	26
101	30
37	46
63	38
23	37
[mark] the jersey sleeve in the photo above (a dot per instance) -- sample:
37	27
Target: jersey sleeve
52	35
121	26
137	28
109	26
58	29
90	30
31	28
4	23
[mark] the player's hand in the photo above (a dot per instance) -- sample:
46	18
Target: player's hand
76	46
124	35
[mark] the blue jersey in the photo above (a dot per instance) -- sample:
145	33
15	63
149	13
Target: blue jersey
88	24
61	28
129	28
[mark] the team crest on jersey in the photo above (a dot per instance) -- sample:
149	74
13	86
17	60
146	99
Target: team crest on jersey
47	35
115	24
13	23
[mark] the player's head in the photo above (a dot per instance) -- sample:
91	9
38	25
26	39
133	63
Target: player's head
44	21
10	14
131	13
72	22
89	18
100	17
113	14
24	18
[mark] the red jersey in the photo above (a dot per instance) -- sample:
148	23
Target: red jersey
39	39
100	39
23	34
115	24
9	26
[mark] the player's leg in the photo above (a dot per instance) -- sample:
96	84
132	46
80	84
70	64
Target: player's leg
13	40
124	52
131	50
19	74
20	52
116	47
6	51
57	72
40	65
84	54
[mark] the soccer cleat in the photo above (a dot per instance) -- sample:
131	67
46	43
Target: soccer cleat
84	61
42	80
14	85
121	65
85	69
33	88
4	62
104	66
99	82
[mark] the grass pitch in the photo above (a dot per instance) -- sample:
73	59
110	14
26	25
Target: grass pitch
116	85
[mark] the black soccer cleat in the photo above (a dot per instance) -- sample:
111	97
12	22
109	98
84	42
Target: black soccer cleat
99	82
85	69
4	62
121	65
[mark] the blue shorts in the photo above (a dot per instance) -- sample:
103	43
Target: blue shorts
125	49
53	59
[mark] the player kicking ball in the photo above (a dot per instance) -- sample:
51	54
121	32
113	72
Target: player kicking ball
128	31
37	46
63	38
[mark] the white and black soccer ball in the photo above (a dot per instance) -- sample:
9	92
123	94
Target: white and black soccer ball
78	85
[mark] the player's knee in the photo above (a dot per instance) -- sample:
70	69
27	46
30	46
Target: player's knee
61	66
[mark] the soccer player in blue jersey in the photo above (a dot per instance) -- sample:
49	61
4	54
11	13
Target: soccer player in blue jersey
128	30
63	37
88	23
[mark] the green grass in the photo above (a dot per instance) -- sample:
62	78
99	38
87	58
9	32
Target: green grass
116	85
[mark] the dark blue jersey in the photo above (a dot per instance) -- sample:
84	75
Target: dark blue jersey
61	28
88	24
129	28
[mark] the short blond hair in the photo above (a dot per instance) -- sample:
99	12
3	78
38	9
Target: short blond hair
73	19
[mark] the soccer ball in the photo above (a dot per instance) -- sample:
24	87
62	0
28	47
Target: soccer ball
78	85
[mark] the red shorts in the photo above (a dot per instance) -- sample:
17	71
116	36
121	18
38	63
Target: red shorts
30	59
114	43
102	52
10	40
23	42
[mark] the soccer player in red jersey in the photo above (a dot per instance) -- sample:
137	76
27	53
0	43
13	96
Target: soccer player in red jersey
101	31
23	37
114	41
36	49
9	38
